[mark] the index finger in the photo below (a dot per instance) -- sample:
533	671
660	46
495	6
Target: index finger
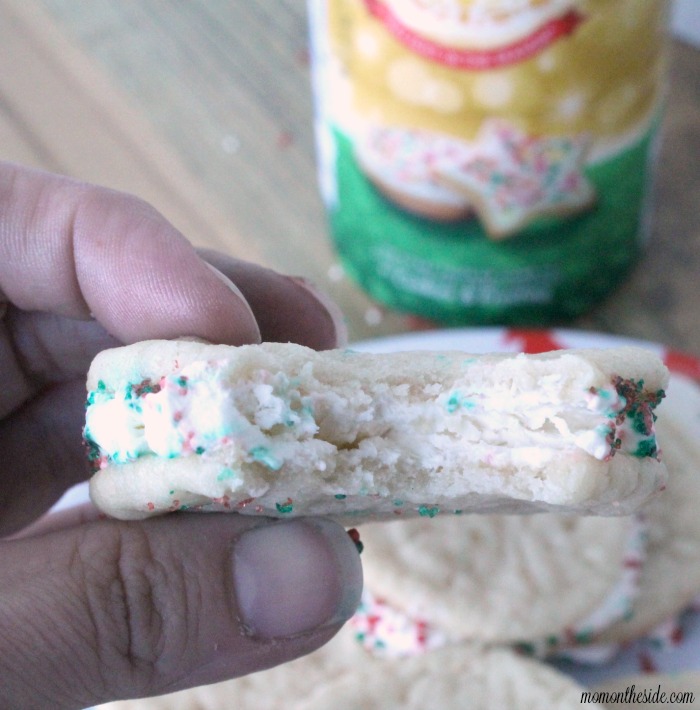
79	251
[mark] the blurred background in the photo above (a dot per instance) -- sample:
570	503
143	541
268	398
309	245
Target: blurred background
204	108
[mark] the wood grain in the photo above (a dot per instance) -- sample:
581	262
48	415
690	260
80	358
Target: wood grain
204	107
60	112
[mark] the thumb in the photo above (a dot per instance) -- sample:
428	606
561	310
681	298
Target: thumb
114	610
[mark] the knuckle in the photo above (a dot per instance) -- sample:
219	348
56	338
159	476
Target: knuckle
129	597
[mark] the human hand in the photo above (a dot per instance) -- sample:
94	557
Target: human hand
94	609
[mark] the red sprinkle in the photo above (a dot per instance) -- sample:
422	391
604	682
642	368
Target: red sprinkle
418	323
355	537
225	501
646	663
422	633
677	635
284	139
145	387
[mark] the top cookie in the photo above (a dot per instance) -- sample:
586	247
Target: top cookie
279	429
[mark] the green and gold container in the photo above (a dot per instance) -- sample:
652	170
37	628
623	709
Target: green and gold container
488	161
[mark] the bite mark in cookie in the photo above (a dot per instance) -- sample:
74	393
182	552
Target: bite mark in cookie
279	429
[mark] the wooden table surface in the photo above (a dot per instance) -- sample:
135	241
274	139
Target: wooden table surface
203	107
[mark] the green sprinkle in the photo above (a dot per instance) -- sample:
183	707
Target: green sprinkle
453	403
639	423
398	503
225	474
93	450
585	636
457	401
285	507
199	450
262	455
181	381
647	447
340	496
524	647
101	386
459	511
428	511
139	389
171	493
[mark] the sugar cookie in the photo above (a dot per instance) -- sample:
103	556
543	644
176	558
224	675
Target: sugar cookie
453	678
279	429
544	580
465	677
670	576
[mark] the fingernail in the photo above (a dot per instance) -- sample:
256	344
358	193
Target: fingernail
254	336
294	577
336	315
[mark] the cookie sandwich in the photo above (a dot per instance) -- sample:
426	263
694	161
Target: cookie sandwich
281	430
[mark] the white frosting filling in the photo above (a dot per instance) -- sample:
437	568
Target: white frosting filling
542	419
193	412
196	411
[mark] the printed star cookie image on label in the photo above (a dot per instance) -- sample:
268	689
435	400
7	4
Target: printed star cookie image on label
512	178
400	163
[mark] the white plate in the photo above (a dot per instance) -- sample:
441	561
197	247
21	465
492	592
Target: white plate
675	646
485	340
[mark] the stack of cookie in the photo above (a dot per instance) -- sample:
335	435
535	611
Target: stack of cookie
550	584
463	611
